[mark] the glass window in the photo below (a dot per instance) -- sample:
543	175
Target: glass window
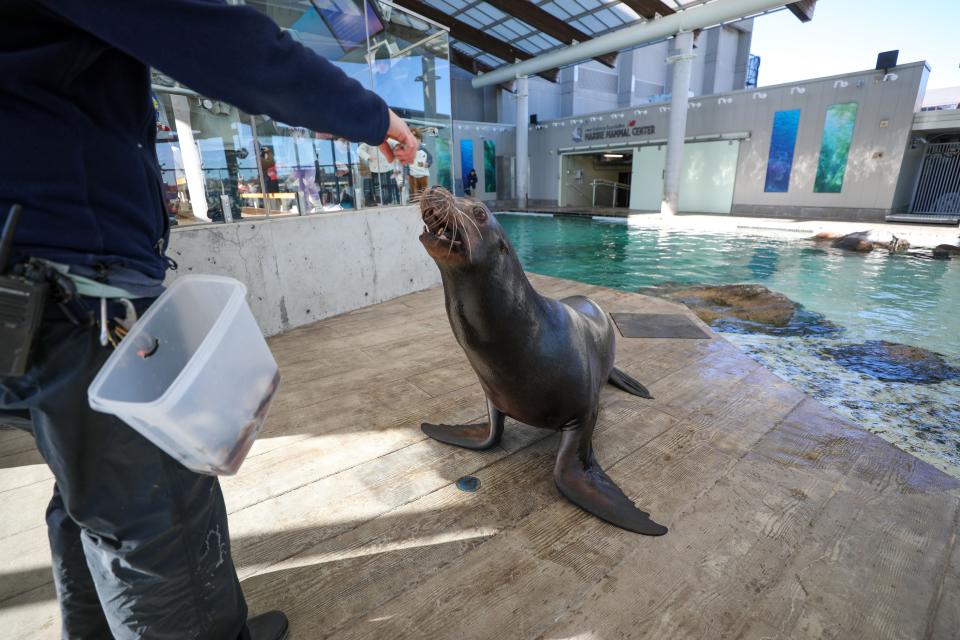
411	70
206	154
222	165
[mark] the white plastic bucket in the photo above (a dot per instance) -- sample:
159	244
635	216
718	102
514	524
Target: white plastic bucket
194	375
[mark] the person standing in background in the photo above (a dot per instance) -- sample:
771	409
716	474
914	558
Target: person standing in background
399	181
140	544
420	168
381	172
472	180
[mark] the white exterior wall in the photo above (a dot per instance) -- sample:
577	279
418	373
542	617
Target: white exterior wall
303	269
880	139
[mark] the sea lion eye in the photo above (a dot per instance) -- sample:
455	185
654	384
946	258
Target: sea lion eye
480	214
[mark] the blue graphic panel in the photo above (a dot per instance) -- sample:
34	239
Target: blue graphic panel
835	147
466	161
783	140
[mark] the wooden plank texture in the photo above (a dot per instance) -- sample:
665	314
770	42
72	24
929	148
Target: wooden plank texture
785	520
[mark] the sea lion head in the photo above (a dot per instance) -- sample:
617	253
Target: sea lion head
459	232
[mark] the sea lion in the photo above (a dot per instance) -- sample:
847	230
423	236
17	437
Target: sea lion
867	241
945	251
540	361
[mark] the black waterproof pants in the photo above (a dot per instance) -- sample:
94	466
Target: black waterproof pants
140	544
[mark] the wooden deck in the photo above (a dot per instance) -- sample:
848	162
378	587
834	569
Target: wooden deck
785	520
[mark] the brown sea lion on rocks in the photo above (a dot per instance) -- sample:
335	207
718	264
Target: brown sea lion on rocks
945	251
540	361
867	241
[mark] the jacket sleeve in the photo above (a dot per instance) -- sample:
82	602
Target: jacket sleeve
235	54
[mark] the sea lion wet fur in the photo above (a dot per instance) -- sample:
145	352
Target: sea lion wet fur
540	361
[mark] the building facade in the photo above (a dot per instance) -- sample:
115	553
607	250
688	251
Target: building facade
640	76
836	147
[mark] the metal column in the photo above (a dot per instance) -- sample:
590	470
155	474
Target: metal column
682	62
523	123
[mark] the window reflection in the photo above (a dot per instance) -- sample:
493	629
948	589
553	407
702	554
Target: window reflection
222	165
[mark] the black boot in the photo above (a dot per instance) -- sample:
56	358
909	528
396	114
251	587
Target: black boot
267	626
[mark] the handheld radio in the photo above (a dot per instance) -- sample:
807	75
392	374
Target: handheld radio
21	306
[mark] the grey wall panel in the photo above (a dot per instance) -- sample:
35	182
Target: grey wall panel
503	136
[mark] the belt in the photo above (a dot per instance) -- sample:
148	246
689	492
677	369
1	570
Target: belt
85	311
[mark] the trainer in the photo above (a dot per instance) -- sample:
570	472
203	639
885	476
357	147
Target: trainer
140	544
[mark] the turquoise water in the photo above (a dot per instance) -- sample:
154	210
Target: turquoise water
908	298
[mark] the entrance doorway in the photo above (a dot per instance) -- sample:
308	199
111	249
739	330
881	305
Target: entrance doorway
707	176
596	179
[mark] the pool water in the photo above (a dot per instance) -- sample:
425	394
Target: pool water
907	298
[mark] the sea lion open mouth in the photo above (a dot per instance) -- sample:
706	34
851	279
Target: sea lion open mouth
448	229
442	228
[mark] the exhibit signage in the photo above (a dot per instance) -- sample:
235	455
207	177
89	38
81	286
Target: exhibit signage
613	131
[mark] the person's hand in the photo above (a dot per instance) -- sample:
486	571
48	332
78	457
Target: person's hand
407	145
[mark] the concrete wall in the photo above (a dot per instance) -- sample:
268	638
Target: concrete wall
544	100
303	269
477	105
719	52
642	74
880	140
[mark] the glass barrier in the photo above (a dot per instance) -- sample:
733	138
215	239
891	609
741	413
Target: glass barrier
222	165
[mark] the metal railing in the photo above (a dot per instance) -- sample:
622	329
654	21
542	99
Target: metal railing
615	186
937	191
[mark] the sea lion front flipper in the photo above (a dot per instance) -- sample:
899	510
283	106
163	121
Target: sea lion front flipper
580	478
470	436
624	382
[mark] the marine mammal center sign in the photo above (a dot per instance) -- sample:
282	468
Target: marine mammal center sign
613	131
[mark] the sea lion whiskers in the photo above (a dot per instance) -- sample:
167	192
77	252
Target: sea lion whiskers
456	227
466	236
473	222
446	221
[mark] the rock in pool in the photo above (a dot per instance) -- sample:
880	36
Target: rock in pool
893	362
746	308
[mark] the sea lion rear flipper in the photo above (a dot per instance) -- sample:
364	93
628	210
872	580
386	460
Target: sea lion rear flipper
582	481
470	436
622	381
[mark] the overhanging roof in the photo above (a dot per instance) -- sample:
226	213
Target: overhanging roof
528	28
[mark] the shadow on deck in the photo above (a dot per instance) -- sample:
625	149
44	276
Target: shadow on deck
785	520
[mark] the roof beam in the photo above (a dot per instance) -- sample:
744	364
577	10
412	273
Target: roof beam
465	62
474	37
649	8
548	23
803	9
